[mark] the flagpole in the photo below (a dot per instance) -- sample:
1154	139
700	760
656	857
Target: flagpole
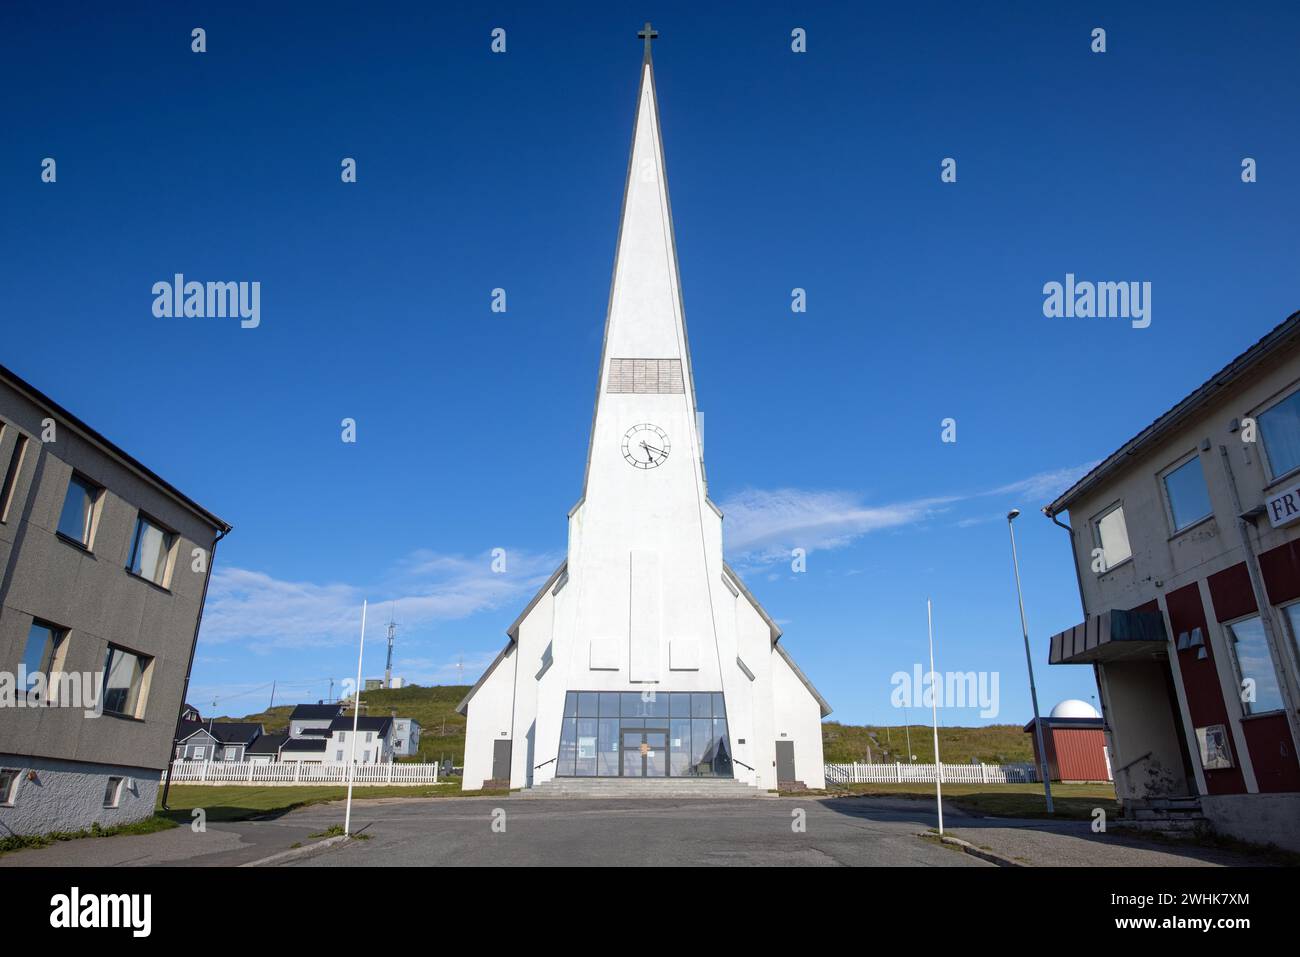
934	711
356	710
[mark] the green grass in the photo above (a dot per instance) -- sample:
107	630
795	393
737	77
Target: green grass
992	744
336	830
239	803
149	825
1072	801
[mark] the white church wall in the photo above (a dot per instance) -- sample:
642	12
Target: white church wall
754	648
534	641
488	721
545	701
798	719
738	689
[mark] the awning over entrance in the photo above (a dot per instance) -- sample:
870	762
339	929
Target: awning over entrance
1115	635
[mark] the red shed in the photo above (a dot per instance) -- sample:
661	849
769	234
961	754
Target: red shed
1075	741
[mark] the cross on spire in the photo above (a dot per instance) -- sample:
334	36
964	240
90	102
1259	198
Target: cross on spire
648	34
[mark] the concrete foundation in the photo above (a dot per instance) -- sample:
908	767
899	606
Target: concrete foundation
54	795
1258	818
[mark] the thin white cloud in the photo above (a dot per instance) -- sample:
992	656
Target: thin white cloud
464	670
271	614
982	520
764	525
768	523
1045	486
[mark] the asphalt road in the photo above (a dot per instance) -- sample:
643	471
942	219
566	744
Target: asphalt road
745	832
459	831
862	832
218	845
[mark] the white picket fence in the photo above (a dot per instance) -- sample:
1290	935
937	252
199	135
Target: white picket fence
296	772
924	773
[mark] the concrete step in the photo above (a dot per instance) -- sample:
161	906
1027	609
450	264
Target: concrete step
1166	814
640	789
1178	813
677	788
1172	803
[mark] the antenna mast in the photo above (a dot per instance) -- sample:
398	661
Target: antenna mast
392	634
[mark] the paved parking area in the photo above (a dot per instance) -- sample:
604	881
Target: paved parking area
220	845
499	831
745	832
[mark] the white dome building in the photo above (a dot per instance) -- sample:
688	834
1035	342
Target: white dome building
1074	737
1074	708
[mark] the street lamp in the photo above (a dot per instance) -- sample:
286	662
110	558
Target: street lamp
1029	660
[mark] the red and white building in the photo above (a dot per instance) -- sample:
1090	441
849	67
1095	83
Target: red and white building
1186	542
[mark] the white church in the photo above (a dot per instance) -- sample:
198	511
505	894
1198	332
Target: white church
644	655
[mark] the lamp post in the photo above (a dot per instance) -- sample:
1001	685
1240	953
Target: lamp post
1029	661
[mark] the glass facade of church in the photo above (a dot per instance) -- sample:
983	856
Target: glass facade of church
665	734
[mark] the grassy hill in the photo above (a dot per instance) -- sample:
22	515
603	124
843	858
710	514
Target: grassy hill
442	732
992	744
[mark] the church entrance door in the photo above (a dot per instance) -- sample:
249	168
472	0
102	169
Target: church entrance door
645	752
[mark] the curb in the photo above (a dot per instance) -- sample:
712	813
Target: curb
972	850
295	853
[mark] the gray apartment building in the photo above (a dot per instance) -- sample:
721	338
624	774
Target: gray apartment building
1186	541
103	571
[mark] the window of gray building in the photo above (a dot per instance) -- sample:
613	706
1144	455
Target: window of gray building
1112	536
1292	615
1279	427
75	521
11	476
44	652
124	674
112	792
150	549
1254	664
8	786
1186	493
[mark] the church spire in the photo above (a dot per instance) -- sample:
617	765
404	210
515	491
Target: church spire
645	349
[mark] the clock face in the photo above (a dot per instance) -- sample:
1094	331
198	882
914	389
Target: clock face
646	446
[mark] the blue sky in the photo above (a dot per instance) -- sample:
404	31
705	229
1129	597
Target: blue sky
477	171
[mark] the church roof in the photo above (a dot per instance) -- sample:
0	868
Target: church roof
776	640
771	624
513	630
773	627
512	633
487	673
803	678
